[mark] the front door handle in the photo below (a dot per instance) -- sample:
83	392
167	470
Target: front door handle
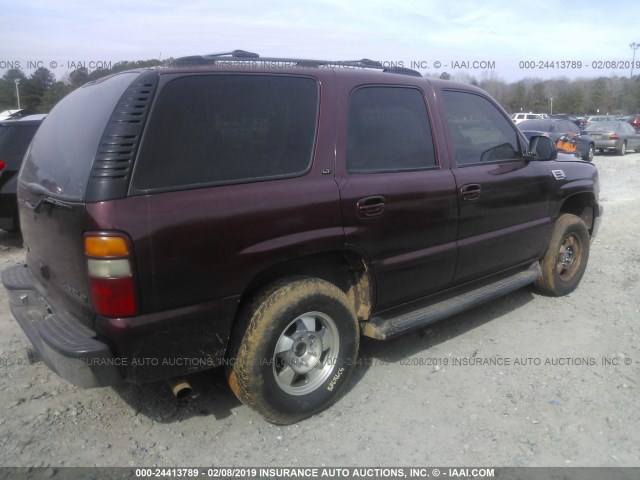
370	207
470	192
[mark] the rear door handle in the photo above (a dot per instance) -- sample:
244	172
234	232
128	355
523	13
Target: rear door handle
470	192
370	207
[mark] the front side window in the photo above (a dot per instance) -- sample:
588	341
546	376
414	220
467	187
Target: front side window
479	131
228	128
388	131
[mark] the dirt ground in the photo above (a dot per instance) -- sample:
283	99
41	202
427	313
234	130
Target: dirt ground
564	394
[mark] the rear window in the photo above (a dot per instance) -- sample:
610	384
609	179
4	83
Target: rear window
63	150
14	140
227	128
604	126
539	125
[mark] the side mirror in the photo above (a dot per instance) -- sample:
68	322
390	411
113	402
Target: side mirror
541	148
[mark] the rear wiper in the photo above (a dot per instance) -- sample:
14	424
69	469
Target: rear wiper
46	200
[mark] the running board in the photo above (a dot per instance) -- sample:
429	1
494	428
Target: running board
383	328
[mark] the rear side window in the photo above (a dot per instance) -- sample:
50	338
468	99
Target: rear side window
228	128
479	131
14	141
63	150
388	131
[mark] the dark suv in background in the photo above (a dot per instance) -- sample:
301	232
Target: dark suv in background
15	136
563	132
262	214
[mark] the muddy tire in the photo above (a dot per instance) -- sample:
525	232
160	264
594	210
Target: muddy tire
295	349
566	259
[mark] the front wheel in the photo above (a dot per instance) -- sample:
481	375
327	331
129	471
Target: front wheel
298	349
566	259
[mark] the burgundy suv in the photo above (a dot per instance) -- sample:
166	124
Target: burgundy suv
262	214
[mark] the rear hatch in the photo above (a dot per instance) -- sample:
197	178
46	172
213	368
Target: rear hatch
57	180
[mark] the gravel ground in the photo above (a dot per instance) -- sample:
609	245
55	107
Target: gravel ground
564	395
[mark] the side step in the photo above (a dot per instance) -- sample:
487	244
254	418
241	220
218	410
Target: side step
383	328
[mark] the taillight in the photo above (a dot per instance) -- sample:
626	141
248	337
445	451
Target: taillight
3	165
109	264
614	136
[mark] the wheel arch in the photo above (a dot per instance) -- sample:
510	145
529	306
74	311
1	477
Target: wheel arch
346	269
582	205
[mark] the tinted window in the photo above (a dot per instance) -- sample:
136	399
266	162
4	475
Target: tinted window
603	126
572	127
539	125
626	128
14	141
479	131
62	152
388	131
214	129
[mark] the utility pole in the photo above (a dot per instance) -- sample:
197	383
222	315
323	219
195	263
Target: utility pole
551	100
634	46
17	80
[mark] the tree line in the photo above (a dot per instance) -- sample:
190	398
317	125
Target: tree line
604	95
581	96
41	91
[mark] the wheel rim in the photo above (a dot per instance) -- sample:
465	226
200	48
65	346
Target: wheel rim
591	153
569	257
305	353
623	150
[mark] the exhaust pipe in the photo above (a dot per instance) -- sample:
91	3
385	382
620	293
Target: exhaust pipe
180	388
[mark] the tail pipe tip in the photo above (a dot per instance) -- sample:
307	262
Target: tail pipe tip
180	388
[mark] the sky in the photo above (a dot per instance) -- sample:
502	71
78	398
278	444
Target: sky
504	39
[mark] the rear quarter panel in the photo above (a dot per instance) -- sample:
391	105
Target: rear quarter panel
200	244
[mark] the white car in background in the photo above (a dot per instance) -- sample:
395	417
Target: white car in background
521	117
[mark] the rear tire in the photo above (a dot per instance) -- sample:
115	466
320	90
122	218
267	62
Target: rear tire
591	153
566	259
297	352
623	149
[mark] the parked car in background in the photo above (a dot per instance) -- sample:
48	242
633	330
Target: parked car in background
586	121
16	114
614	135
521	117
564	116
560	131
633	120
15	137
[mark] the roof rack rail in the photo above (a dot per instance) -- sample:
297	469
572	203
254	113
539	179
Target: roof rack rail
244	56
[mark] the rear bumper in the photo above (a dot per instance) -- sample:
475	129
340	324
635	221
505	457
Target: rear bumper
146	348
609	144
66	346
